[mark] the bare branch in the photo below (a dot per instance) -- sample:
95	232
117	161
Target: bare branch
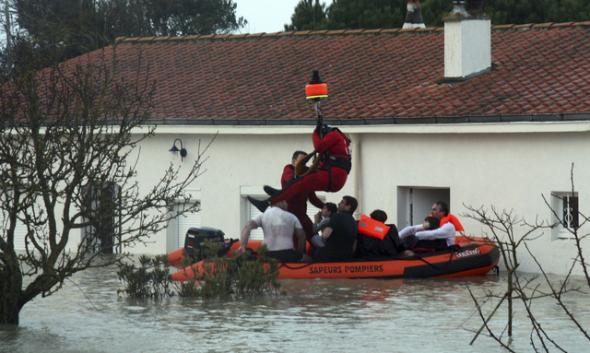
485	322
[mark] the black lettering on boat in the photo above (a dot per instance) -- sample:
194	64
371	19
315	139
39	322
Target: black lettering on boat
363	268
325	269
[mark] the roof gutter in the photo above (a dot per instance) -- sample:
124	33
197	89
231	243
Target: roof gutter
381	121
387	126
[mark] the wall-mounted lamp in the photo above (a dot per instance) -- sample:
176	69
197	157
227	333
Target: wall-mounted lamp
175	149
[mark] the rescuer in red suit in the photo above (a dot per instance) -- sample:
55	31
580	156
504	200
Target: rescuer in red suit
298	204
335	163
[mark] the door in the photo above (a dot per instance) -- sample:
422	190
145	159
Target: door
414	203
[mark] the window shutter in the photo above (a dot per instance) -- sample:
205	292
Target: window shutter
253	212
186	221
570	212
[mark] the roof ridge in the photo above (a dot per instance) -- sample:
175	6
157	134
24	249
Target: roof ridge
505	27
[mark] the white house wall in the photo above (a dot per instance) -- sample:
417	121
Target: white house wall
508	170
236	163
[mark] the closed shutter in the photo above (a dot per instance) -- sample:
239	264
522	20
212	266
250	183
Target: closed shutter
255	234
186	221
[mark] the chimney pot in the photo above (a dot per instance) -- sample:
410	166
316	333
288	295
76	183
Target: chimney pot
413	15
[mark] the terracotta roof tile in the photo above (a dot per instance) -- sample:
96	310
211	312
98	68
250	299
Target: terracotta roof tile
373	74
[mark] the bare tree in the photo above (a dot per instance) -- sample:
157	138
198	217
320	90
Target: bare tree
512	234
69	148
8	27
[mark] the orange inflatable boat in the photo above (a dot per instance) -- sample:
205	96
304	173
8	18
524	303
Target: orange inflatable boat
472	256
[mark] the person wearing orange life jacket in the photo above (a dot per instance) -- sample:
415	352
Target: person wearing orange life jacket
384	244
440	209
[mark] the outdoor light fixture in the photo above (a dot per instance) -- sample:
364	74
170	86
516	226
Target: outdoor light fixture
175	149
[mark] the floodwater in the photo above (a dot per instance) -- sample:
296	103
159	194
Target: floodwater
311	316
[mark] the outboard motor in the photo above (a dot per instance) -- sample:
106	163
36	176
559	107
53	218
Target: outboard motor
194	241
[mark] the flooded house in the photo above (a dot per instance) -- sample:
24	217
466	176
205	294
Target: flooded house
471	114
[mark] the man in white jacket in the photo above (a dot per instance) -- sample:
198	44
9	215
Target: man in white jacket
429	230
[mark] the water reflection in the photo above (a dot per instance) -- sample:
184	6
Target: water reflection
312	315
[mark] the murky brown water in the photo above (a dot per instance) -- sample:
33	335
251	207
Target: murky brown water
312	316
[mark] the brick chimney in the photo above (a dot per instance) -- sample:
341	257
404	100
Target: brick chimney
468	41
413	15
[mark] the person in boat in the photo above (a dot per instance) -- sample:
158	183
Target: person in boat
429	234
298	204
371	247
279	227
335	164
339	235
440	209
322	218
321	221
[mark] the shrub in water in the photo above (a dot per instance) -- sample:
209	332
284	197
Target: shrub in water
147	279
240	277
228	277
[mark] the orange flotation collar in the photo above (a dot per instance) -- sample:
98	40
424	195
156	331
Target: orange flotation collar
316	91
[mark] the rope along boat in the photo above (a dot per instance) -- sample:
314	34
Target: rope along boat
472	256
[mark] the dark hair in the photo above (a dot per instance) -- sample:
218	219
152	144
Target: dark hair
351	201
331	207
433	222
379	215
296	154
444	208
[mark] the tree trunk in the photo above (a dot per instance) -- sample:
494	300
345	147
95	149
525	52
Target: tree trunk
10	288
510	291
9	311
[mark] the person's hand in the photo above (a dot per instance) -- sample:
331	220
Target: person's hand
317	217
241	250
300	158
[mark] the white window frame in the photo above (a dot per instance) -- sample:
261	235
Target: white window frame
173	241
558	200
409	198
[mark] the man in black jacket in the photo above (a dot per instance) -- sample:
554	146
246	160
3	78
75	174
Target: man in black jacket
339	235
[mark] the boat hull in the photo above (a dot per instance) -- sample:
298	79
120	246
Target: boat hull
473	261
473	257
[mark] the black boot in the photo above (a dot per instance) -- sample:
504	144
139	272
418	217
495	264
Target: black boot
271	191
261	205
